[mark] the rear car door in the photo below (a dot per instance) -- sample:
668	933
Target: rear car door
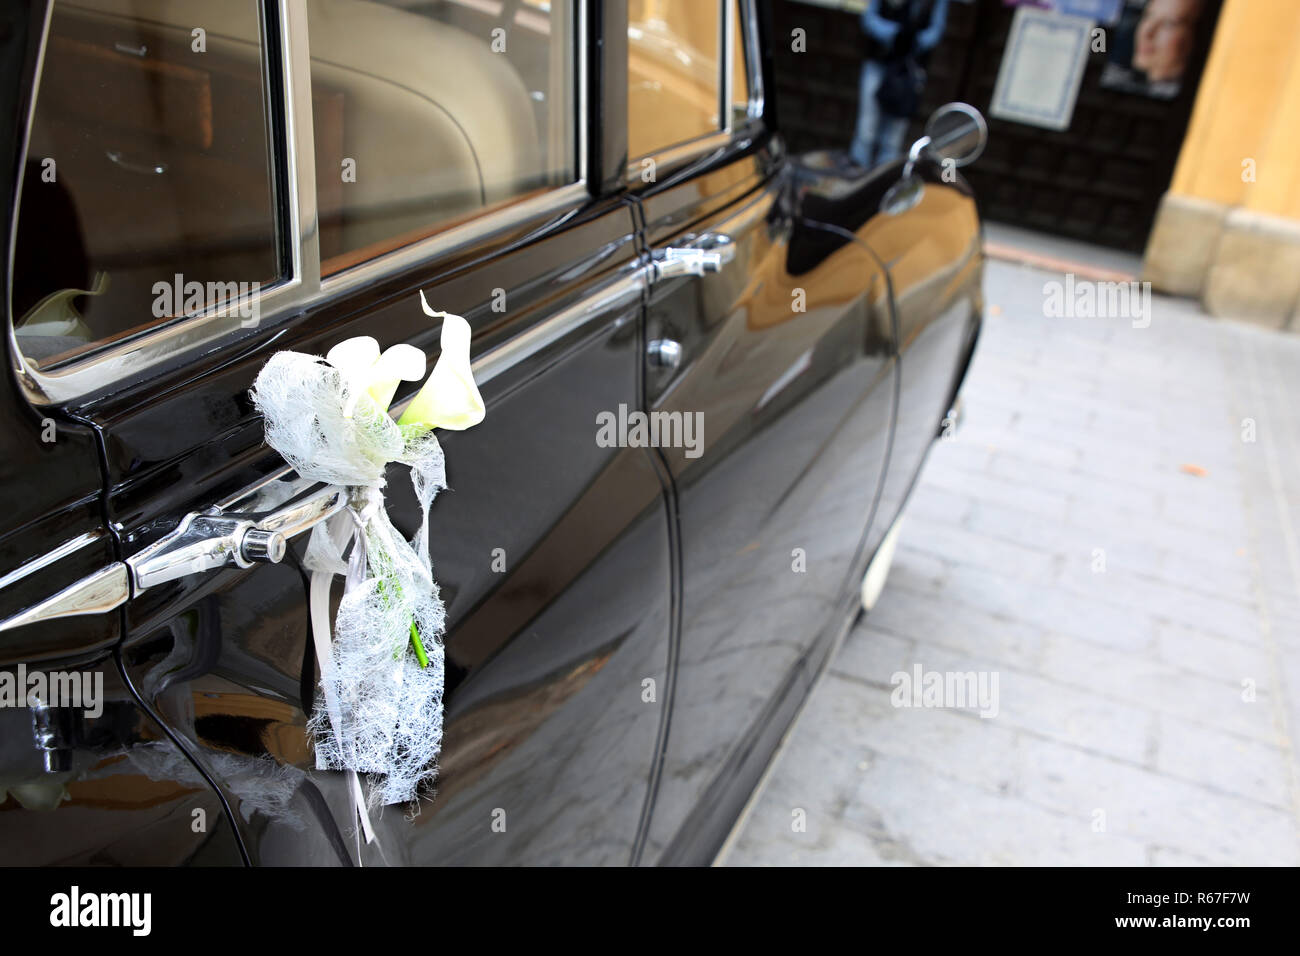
443	151
87	775
769	340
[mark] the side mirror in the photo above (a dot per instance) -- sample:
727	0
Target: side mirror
955	133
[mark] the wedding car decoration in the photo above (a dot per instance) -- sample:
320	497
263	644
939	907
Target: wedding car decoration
382	661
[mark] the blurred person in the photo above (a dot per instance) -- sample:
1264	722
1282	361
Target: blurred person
1165	37
899	37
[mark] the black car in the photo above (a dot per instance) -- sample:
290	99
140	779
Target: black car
602	191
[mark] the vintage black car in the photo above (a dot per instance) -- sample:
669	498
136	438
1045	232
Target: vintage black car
602	190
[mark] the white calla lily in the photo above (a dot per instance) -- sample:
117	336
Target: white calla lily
368	372
450	398
399	363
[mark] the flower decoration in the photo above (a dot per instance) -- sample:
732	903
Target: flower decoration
382	661
450	398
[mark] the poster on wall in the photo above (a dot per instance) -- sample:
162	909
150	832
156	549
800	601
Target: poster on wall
1151	47
1099	11
1042	67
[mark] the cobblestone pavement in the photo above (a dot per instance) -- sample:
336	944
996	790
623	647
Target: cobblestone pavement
1103	536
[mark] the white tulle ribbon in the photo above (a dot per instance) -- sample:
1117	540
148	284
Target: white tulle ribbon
383	709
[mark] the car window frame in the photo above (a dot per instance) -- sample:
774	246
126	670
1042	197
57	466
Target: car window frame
677	155
286	68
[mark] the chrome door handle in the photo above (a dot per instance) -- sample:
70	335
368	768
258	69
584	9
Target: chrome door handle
216	539
704	254
203	541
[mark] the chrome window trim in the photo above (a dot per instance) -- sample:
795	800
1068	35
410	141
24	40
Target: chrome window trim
679	154
21	369
753	62
304	217
673	157
726	54
304	286
581	90
554	201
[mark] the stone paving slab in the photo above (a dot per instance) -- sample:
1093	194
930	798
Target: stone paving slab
1113	535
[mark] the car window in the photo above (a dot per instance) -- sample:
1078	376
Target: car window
148	191
428	113
674	78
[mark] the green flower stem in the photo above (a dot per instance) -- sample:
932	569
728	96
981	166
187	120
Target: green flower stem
420	655
416	644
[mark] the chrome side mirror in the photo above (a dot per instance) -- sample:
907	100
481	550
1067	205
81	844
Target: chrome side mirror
955	134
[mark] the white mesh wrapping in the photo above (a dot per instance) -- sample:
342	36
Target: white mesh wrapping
380	712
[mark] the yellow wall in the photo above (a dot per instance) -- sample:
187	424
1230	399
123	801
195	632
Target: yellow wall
1248	107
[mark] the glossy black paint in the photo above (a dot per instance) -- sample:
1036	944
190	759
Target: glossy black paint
631	630
792	377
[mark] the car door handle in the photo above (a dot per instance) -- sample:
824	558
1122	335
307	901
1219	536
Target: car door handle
202	541
702	255
206	541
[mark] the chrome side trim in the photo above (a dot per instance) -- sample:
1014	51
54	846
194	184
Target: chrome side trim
99	593
71	546
492	363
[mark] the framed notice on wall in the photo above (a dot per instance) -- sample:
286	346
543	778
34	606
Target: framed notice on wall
1042	68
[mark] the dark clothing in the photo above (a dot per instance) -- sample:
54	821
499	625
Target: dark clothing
894	29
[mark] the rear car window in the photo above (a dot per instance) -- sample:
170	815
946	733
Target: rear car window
148	190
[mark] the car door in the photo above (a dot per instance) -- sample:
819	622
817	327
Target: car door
771	335
935	256
415	157
87	775
932	248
